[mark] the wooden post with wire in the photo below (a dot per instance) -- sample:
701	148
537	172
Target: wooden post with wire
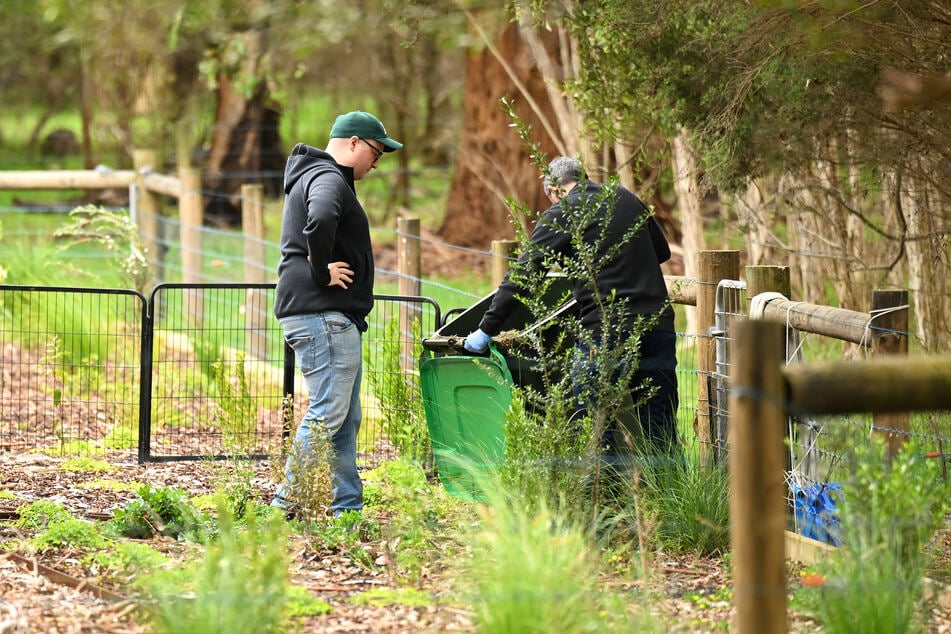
409	252
714	266
757	486
888	330
191	221
147	210
255	268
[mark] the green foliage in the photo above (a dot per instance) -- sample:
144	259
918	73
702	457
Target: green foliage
238	415
240	585
419	514
888	513
404	421
383	597
87	465
300	602
536	572
345	534
124	559
310	471
157	511
68	532
40	514
115	234
687	505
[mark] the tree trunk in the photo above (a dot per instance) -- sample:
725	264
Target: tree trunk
246	144
688	204
492	164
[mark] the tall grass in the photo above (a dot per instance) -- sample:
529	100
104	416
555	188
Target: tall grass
535	571
240	585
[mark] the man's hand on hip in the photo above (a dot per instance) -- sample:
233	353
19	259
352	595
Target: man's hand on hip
340	274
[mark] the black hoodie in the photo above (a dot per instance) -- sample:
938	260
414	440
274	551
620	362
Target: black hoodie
323	222
632	273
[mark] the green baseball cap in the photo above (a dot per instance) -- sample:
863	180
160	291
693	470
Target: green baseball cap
365	126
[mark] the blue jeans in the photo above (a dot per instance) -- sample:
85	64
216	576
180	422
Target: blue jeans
329	353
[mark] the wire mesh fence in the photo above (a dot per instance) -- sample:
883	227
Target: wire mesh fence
192	372
70	369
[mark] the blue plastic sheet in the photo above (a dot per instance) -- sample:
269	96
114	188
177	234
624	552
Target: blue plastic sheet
817	512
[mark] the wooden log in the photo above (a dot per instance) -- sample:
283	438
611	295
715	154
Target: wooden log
163	184
146	211
256	308
757	486
840	323
67	179
879	385
191	221
762	279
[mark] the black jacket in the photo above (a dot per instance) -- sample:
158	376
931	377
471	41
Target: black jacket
323	222
633	272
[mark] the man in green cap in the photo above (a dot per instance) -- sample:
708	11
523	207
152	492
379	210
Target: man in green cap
324	294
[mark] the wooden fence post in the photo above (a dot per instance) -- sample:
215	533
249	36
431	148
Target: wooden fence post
714	266
757	483
147	210
255	268
772	279
502	253
191	220
762	279
888	329
410	283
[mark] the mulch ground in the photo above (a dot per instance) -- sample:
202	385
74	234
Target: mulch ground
51	592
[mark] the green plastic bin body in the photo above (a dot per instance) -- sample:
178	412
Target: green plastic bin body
466	399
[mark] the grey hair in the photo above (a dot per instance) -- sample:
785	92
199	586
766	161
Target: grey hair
562	170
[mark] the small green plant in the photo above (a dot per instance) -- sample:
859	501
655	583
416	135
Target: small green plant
123	560
157	511
240	586
69	533
39	514
116	234
237	417
109	485
404	421
419	513
85	464
312	480
687	505
300	602
345	534
534	571
382	597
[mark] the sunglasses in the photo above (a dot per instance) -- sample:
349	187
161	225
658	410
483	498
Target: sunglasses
377	154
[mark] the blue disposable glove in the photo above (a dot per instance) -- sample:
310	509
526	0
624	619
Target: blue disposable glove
477	341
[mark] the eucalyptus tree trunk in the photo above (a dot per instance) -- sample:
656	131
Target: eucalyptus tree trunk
927	250
245	143
492	165
688	204
804	229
